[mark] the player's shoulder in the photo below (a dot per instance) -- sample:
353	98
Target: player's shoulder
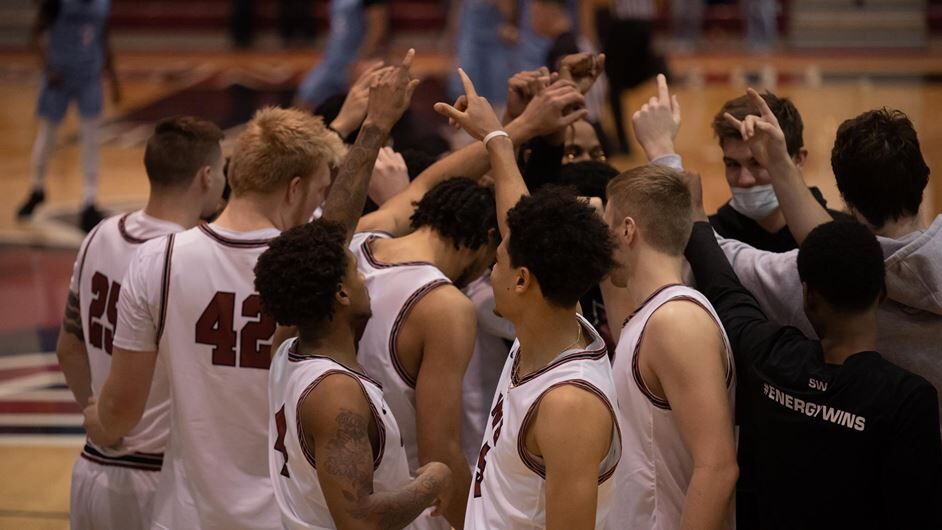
445	300
685	313
333	392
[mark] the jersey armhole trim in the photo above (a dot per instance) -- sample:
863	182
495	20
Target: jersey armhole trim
377	264
165	288
656	400
407	307
380	427
81	270
535	463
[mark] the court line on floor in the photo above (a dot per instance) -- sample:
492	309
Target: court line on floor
34	514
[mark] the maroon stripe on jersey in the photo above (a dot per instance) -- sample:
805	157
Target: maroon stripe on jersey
142	461
576	356
122	227
648	299
535	463
380	426
656	400
91	236
400	320
165	287
377	264
234	243
295	356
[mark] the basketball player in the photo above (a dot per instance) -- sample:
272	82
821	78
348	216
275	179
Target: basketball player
675	390
552	445
113	487
416	252
191	298
336	456
77	53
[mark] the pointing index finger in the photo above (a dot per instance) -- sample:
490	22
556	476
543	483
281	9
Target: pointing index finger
407	61
468	85
663	93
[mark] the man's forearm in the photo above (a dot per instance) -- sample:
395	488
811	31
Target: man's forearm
508	183
73	361
451	456
802	211
348	193
396	509
709	495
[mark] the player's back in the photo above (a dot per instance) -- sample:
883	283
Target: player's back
656	466
394	290
292	465
216	344
99	270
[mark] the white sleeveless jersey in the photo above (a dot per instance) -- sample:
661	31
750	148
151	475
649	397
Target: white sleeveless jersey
291	462
656	467
96	279
216	345
509	486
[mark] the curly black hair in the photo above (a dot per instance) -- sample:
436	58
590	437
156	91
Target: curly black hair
459	209
879	167
842	261
784	110
297	276
588	178
562	241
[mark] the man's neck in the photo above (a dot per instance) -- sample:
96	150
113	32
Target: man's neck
335	340
900	227
174	208
425	245
544	331
773	222
652	271
847	336
249	213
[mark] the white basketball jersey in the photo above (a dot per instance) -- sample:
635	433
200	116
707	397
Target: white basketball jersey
99	271
291	462
656	467
216	344
509	486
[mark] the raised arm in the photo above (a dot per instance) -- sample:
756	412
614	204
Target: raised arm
690	368
389	98
449	325
335	419
479	120
767	142
573	434
657	123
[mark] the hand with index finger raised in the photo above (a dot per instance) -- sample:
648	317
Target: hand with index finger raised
478	118
391	94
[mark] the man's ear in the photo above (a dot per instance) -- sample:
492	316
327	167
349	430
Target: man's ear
342	296
629	230
522	280
800	157
205	176
295	190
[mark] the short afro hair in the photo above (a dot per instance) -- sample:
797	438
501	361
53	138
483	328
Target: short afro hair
842	261
784	110
459	209
879	167
588	178
298	275
562	241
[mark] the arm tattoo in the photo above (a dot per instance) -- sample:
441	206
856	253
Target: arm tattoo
72	322
348	193
391	510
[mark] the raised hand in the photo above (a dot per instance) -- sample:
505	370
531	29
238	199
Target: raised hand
477	117
391	94
657	122
558	106
763	133
583	69
353	111
522	87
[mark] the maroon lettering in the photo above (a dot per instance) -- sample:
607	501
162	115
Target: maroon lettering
282	426
103	312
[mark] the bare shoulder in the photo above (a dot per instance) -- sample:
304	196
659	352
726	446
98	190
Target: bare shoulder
572	419
567	402
336	393
681	320
446	305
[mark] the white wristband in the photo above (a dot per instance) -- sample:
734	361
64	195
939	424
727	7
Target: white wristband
494	134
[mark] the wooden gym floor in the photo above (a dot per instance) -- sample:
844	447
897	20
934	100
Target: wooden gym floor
40	430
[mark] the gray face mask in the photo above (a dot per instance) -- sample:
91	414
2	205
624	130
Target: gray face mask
757	202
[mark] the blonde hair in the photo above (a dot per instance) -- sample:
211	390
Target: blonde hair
657	198
278	145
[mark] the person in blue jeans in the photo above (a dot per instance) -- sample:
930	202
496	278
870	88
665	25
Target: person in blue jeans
74	56
357	31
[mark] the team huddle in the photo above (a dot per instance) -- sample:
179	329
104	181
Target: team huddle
508	343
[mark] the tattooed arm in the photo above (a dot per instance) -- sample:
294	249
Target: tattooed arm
336	421
389	98
70	349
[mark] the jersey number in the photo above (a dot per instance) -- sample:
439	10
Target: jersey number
106	299
280	441
215	328
497	422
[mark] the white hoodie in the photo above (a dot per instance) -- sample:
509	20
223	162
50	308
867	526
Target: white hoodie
910	319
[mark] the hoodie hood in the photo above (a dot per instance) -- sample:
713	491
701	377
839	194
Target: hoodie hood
914	268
